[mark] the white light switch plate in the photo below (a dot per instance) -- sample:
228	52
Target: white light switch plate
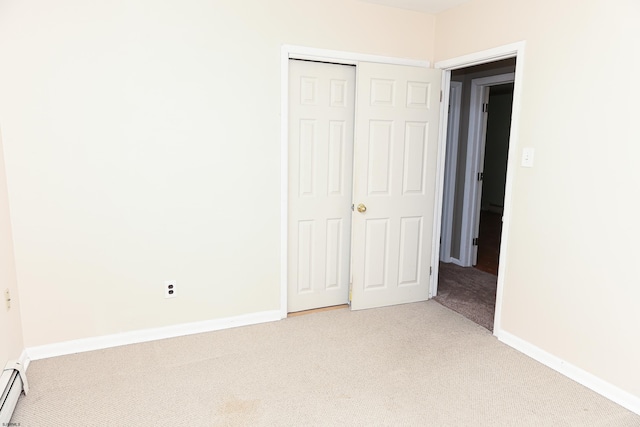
527	157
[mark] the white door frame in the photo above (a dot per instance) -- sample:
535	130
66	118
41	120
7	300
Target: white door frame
475	164
337	57
449	183
515	50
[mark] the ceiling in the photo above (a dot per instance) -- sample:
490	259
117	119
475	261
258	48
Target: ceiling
427	6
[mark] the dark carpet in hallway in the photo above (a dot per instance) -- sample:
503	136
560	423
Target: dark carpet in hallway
468	291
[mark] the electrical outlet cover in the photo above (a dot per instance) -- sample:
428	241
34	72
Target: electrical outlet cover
170	289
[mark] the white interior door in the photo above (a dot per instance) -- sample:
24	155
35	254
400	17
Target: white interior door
397	119
321	123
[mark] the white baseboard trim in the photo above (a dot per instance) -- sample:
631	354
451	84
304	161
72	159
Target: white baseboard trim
451	260
608	390
456	261
145	335
24	360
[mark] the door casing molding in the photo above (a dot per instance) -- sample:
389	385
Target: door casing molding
449	179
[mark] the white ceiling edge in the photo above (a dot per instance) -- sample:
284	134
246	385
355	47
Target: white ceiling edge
426	6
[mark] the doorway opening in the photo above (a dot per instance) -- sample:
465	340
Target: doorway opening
494	178
478	134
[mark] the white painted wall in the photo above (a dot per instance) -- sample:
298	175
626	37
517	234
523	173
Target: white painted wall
142	143
571	285
11	344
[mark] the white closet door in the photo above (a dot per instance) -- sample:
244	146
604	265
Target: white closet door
397	120
321	123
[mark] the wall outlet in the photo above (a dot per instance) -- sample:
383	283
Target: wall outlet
527	157
7	299
169	288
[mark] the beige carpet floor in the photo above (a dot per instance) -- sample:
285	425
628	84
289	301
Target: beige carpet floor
410	365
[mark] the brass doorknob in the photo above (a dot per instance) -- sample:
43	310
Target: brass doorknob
362	208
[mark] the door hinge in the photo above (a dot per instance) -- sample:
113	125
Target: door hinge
475	241
430	271
485	107
350	291
480	176
441	96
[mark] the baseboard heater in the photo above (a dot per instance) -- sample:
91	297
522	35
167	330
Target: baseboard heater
12	383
